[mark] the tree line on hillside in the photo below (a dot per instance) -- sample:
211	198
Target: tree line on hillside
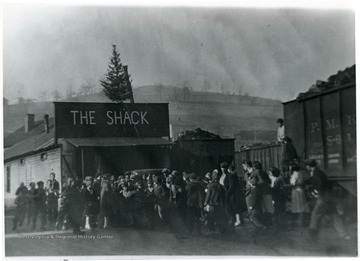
116	85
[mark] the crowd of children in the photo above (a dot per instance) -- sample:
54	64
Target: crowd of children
185	202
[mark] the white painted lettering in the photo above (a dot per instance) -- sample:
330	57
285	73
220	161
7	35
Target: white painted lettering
92	117
132	117
83	117
127	117
109	115
348	135
314	126
143	114
74	115
338	139
118	117
351	119
330	124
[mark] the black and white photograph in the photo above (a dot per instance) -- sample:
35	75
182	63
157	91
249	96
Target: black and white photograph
164	130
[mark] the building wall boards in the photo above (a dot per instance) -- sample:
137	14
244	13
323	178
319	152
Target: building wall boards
32	168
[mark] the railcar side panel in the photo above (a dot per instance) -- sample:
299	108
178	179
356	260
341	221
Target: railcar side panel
314	147
332	134
348	111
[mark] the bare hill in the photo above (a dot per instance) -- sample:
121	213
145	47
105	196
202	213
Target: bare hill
224	114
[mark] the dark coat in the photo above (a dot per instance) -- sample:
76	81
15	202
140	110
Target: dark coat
252	193
30	193
40	197
320	182
75	206
180	185
232	191
22	200
250	178
232	186
195	194
161	195
215	195
289	153
91	199
263	181
279	195
20	189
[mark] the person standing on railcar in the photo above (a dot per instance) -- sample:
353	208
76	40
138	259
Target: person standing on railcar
289	154
280	130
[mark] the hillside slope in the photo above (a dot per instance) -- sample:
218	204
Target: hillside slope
243	117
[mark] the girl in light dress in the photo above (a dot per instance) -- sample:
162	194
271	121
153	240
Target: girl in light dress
299	206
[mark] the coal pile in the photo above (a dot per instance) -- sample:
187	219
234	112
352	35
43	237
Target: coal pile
198	134
341	78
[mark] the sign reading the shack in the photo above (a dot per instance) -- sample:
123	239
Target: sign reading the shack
82	120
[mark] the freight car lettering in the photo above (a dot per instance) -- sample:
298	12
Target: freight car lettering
335	155
349	137
316	156
351	119
84	117
135	117
317	145
333	139
315	127
351	160
330	124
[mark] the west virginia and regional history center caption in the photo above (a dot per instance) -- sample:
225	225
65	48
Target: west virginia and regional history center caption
59	236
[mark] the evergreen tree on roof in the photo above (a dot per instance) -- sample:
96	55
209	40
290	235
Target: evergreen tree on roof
117	84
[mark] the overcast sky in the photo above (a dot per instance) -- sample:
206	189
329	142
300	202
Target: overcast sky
272	53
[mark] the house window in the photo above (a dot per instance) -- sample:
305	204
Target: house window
22	161
8	179
43	156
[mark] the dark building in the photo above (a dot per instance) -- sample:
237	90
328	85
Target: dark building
87	139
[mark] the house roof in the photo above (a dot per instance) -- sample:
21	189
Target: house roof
30	145
20	134
20	143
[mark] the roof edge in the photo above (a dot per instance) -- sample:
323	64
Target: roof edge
32	153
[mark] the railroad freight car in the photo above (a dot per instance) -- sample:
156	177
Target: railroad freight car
323	127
